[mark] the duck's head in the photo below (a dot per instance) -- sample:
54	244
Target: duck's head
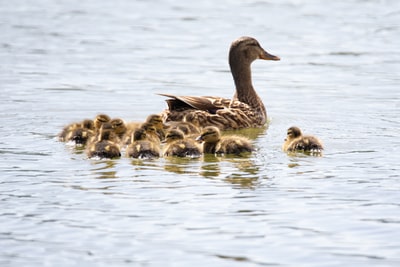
174	135
247	49
292	133
100	119
210	134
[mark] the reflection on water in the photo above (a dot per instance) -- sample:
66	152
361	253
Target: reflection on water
105	169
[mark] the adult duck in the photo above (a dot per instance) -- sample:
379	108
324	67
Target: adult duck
245	110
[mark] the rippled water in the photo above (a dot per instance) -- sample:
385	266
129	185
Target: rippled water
62	61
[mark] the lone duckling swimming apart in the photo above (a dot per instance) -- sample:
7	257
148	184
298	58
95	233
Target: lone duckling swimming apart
179	146
142	147
296	141
244	110
214	143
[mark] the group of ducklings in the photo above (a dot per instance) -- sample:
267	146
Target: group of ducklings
104	137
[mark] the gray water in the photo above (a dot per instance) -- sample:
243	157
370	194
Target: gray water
338	78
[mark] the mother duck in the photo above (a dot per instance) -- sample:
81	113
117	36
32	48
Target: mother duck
244	110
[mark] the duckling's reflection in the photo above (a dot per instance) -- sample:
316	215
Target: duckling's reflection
248	174
245	172
210	166
104	172
181	165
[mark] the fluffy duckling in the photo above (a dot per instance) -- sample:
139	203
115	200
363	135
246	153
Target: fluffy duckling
141	147
105	146
100	119
214	143
153	120
77	132
151	132
179	146
157	122
119	127
296	141
244	110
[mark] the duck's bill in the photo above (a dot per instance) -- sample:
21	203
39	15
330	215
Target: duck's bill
268	56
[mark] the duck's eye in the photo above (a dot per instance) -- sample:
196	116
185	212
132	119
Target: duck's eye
254	44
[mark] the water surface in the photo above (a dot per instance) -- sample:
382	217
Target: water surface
338	79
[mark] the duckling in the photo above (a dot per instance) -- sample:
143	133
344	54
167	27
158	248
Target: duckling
77	132
80	135
296	141
157	122
179	146
214	143
100	119
105	146
153	120
141	147
244	110
151	132
66	131
119	127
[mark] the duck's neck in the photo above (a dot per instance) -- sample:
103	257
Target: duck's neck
245	92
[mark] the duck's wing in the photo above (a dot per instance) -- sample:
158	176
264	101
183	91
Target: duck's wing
207	103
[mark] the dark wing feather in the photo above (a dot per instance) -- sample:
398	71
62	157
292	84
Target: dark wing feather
207	103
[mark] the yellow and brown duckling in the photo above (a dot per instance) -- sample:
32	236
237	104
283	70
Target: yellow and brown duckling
179	146
244	110
151	132
214	143
296	141
154	120
157	122
105	145
119	127
142	147
100	119
79	133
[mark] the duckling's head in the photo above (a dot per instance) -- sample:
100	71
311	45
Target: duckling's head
247	49
174	135
139	134
155	120
105	126
118	125
100	119
107	135
293	132
149	128
87	124
210	134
